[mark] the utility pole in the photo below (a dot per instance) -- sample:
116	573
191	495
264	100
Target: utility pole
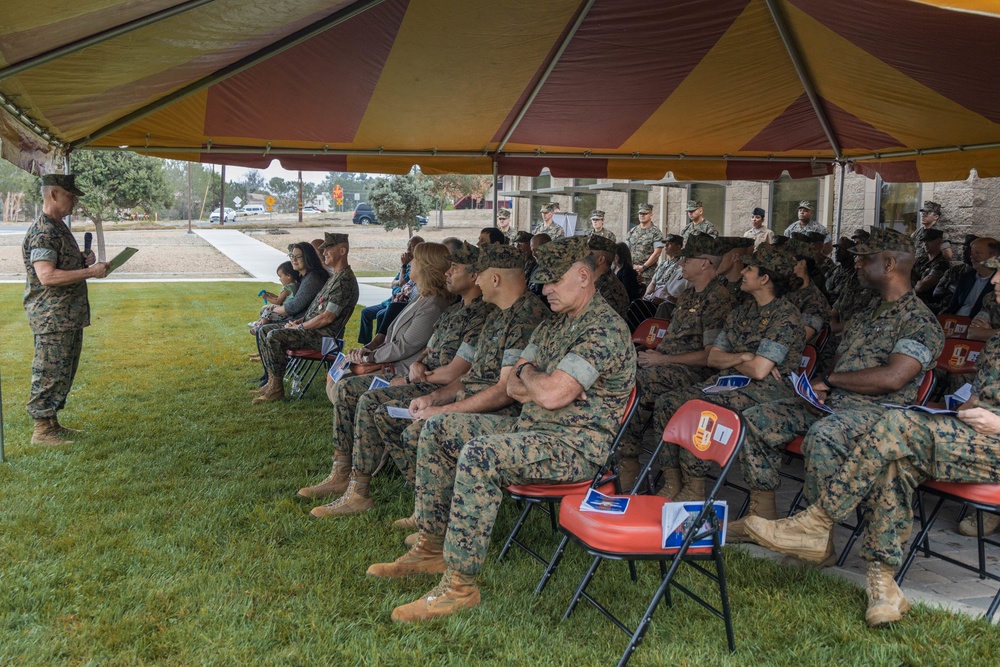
300	197
189	198
222	198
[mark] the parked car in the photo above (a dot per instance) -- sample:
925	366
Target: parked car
253	209
364	214
312	209
422	219
230	215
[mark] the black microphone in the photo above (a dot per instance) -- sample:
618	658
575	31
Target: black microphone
88	240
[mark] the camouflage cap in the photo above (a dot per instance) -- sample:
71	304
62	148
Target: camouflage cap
464	254
992	263
597	214
602	243
673	238
799	246
693	205
548	208
725	244
816	237
503	214
701	244
331	239
645	208
860	235
845	242
555	258
774	259
498	256
522	237
806	205
931	207
65	181
933	234
880	240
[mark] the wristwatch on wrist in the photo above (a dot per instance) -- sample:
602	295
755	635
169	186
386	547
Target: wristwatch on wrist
301	328
521	368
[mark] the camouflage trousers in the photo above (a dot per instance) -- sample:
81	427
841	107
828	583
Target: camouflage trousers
376	433
904	449
828	440
274	339
57	356
674	456
345	395
653	382
463	468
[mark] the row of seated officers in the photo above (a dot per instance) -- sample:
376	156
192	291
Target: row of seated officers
502	388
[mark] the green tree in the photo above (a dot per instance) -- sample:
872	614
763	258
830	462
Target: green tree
115	181
399	200
17	188
254	181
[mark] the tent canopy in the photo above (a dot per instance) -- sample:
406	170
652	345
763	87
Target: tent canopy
722	90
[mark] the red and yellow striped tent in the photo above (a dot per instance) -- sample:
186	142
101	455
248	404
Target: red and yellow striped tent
702	90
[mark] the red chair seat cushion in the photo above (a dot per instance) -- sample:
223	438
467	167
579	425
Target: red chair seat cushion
795	446
554	490
639	531
305	354
986	494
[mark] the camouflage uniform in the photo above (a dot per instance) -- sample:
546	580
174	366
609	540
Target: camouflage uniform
613	292
698	319
935	267
774	331
463	468
812	304
553	230
456	334
503	337
606	234
945	289
56	315
338	296
798	227
904	449
837	279
907	327
735	288
703	227
642	243
509	235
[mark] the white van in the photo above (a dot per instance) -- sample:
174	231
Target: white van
252	209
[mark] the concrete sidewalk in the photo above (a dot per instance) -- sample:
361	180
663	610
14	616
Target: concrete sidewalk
260	260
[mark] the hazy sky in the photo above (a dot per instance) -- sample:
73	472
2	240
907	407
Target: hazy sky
237	173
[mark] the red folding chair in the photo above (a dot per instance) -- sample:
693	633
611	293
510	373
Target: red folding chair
650	332
708	431
545	496
807	365
822	338
300	363
955	326
980	497
959	356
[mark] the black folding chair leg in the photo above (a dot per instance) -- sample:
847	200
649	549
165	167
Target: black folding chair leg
727	616
921	536
582	587
515	531
553	564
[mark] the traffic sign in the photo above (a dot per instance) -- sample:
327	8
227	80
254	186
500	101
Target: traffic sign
237	201
270	202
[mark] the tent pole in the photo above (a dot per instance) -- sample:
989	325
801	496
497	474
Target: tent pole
548	70
110	33
240	65
840	203
496	168
800	69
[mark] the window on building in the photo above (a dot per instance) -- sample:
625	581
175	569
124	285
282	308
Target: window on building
635	199
713	201
583	204
786	193
538	201
899	206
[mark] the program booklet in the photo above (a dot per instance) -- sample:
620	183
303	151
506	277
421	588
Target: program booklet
804	389
727	383
679	517
339	367
121	258
595	501
378	383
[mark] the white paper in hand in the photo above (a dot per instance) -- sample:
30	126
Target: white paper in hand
398	413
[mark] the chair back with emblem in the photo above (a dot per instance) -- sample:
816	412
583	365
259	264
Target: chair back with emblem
955	326
807	365
959	356
710	432
650	332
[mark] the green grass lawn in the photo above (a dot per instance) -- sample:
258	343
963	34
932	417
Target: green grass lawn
171	534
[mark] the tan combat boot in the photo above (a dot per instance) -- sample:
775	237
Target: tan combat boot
425	557
335	483
60	429
411	539
693	490
456	592
43	434
356	499
409	524
991	522
886	603
807	535
628	472
671	483
274	390
762	505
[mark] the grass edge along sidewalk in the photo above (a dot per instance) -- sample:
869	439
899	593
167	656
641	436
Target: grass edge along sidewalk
170	534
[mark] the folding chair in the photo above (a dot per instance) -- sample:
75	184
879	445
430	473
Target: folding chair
955	326
822	338
708	431
794	449
650	332
545	496
959	356
300	362
981	497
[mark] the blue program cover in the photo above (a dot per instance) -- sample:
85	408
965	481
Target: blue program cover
595	501
727	383
378	383
678	517
339	367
